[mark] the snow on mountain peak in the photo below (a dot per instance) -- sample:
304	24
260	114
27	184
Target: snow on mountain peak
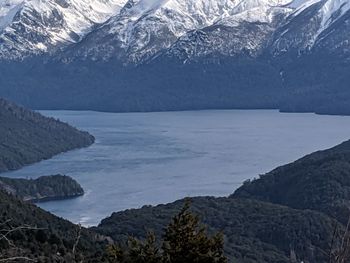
137	30
8	9
33	26
332	10
329	12
144	27
310	25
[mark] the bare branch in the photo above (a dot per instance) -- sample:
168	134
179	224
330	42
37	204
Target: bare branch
77	240
342	253
5	230
6	222
17	258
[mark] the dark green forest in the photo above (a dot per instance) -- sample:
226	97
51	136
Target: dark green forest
257	225
253	231
27	137
316	82
44	188
297	212
185	239
38	235
319	181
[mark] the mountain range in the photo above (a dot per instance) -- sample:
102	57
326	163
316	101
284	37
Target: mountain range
146	55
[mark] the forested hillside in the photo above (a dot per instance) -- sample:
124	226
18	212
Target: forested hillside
309	227
319	181
293	212
27	137
254	231
44	188
38	235
297	212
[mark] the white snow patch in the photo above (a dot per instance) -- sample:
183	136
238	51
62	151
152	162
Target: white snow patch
8	9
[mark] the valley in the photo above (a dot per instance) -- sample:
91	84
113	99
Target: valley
173	131
151	158
143	159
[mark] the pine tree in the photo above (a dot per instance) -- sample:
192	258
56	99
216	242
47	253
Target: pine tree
185	241
136	251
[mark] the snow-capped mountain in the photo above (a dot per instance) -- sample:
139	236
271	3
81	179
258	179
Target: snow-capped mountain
125	55
37	26
247	32
314	24
134	31
146	28
8	9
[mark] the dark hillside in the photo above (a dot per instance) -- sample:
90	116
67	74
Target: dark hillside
254	231
44	188
42	236
319	181
27	137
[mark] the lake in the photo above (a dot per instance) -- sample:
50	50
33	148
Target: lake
151	158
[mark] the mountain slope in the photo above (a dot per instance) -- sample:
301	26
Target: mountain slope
175	55
145	28
314	24
246	31
44	188
319	181
268	219
27	137
30	27
43	237
8	9
254	231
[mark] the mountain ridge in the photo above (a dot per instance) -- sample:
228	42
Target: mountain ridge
131	25
297	51
39	27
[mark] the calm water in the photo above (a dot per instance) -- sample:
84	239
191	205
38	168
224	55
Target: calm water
151	158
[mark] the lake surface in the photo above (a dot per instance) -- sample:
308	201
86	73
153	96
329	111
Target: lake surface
152	158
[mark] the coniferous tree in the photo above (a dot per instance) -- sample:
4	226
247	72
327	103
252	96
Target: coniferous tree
185	241
136	251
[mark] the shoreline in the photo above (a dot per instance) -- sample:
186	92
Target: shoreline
53	198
